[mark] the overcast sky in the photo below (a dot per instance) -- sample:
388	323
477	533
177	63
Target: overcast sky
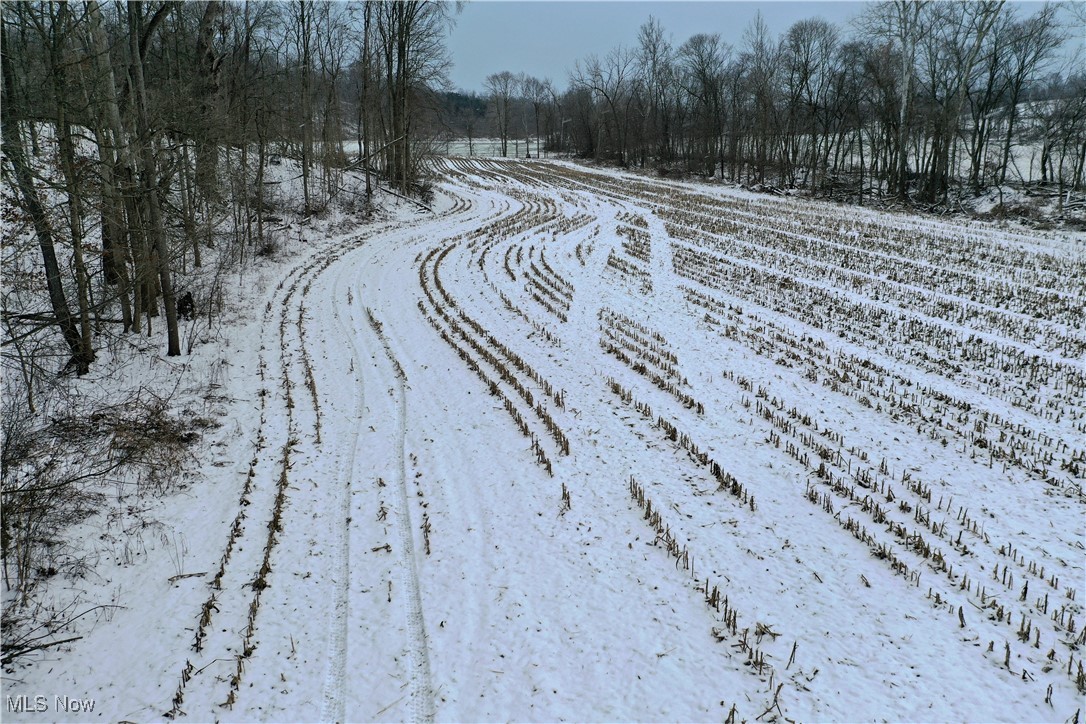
545	38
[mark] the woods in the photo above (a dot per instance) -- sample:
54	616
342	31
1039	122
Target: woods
916	101
150	152
138	136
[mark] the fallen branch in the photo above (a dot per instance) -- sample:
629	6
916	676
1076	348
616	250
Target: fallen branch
406	198
14	652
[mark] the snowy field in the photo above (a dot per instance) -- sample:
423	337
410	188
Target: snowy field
492	148
585	446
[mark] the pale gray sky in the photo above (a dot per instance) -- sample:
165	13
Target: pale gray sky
545	38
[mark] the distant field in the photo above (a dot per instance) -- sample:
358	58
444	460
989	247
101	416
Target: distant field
486	148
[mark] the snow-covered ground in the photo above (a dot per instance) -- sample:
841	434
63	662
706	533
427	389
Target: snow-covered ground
585	446
492	147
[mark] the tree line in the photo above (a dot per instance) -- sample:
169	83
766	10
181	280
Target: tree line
138	135
921	98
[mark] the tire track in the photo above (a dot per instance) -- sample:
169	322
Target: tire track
332	699
217	657
418	653
335	692
226	602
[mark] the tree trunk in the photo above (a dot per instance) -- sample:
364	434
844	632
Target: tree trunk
68	169
307	115
149	179
367	125
261	160
75	217
1011	118
24	178
114	174
860	137
208	132
114	244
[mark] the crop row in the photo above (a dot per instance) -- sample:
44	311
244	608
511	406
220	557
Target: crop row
551	291
650	346
627	217
890	393
303	273
499	357
637	243
988	253
585	248
565	224
869	495
562	285
807	443
890	284
1006	369
539	328
630	270
851	255
726	482
715	599
651	355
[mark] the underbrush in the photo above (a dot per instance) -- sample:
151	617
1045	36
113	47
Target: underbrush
59	470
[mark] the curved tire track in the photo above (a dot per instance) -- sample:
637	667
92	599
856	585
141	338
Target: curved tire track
418	652
332	699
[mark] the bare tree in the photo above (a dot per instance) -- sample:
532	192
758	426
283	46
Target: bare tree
761	60
209	120
301	23
61	31
501	87
139	32
951	49
703	59
537	93
114	158
810	61
24	177
654	68
1031	45
903	22
614	81
411	44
